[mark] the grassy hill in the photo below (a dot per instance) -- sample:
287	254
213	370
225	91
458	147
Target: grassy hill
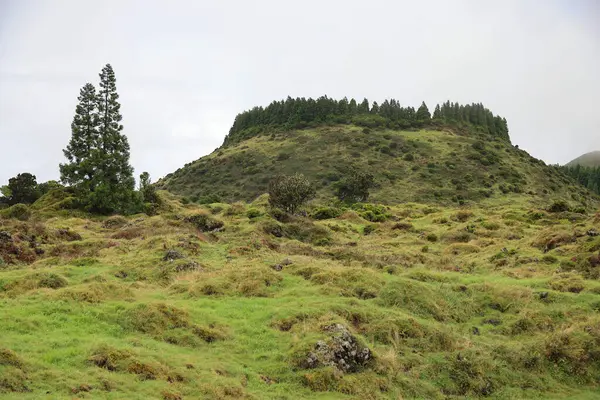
226	302
591	159
439	165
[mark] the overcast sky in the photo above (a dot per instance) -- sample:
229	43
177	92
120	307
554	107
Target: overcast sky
186	68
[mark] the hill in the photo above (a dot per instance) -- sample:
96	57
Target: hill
227	302
461	153
591	159
439	165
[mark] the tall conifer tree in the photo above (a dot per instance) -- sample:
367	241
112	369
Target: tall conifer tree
98	153
81	169
116	191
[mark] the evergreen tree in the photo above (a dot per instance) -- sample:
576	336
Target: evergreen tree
82	167
98	153
375	108
423	115
352	107
147	191
437	113
363	108
116	189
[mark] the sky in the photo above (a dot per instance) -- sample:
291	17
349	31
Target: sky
185	68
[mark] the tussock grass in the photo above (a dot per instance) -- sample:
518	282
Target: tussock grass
502	304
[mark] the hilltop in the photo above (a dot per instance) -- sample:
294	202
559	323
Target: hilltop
591	159
460	154
229	302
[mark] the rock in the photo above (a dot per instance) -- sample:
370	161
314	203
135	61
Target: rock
188	266
592	232
277	267
172	255
543	295
121	274
342	351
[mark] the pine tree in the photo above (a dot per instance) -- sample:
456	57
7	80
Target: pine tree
116	190
437	113
81	169
423	115
98	153
375	108
363	108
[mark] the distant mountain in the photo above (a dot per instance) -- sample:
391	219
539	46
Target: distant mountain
591	159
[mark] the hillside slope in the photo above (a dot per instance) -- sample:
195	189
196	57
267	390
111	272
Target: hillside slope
434	165
591	159
225	302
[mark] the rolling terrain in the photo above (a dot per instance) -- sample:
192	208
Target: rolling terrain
225	301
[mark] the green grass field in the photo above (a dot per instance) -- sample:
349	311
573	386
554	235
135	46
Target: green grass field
491	301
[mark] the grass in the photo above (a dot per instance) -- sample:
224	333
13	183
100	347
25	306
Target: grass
490	309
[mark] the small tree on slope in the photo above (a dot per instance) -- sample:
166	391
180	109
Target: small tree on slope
290	192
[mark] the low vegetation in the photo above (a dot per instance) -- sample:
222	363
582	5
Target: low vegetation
348	301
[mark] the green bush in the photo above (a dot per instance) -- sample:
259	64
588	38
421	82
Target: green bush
290	192
559	206
326	213
204	222
355	187
372	212
18	211
253	213
432	237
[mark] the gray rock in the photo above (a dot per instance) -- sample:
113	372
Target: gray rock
342	351
171	255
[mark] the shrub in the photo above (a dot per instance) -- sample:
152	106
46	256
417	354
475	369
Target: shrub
326	213
355	187
432	237
290	192
463	216
18	211
567	283
280	215
253	213
52	281
371	212
409	157
204	222
559	206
